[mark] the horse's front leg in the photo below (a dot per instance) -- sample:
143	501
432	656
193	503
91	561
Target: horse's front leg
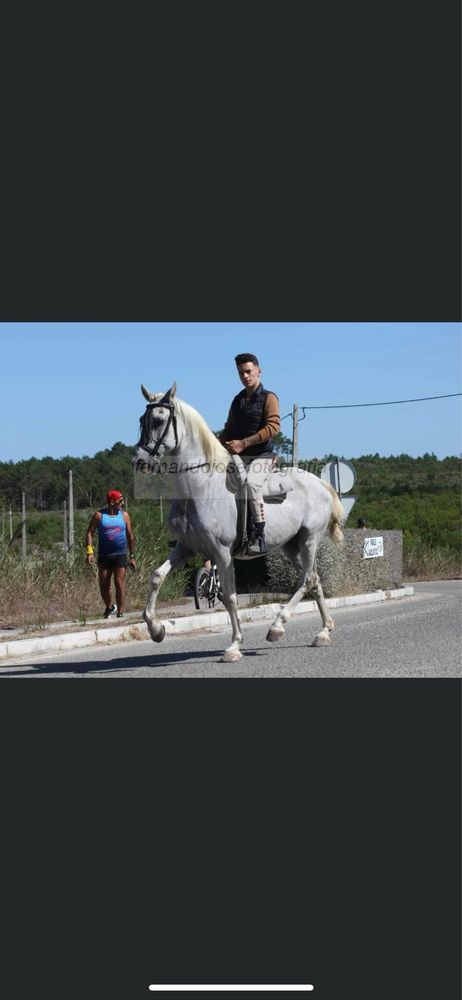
228	588
177	557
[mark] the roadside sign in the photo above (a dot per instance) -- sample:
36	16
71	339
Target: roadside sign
340	474
373	547
348	504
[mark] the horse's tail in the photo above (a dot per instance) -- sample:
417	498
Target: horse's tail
337	517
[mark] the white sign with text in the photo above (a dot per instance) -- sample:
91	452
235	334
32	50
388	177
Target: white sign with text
373	548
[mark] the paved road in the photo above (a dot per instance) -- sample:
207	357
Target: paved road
416	636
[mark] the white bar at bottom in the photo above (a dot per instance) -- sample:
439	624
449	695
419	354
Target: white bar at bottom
222	989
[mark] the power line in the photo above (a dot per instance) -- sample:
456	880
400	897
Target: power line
392	402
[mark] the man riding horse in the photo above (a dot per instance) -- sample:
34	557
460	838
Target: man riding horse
253	421
176	442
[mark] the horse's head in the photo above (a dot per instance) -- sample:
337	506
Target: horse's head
158	428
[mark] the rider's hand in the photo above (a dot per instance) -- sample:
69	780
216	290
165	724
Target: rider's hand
235	447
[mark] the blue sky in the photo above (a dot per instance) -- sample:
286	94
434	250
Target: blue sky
74	389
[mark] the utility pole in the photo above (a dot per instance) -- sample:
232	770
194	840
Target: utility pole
295	436
71	515
24	542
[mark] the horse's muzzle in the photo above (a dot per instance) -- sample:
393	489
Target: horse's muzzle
142	460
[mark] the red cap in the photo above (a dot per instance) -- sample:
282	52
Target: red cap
113	495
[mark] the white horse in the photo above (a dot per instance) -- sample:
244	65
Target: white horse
203	517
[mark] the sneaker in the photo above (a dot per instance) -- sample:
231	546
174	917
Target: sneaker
120	614
109	612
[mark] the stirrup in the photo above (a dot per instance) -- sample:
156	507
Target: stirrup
257	546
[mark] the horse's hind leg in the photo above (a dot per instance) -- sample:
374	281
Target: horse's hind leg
299	559
315	589
302	553
177	557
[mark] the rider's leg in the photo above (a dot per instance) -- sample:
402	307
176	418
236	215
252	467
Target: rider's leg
257	474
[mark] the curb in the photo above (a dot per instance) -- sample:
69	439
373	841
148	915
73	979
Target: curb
200	621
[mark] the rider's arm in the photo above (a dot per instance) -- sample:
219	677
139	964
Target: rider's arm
272	423
227	430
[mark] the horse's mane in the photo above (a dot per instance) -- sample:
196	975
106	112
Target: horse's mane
214	452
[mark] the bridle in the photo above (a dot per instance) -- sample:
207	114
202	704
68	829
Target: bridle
152	452
171	420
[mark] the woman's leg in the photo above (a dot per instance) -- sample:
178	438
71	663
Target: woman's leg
119	580
104	577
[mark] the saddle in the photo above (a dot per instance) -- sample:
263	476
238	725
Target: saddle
278	485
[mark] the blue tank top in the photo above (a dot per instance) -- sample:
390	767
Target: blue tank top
112	535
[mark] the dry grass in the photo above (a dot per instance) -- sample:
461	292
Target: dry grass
45	589
423	562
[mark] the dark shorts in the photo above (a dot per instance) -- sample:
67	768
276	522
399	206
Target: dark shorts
113	562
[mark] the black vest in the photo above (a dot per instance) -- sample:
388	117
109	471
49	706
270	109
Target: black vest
247	419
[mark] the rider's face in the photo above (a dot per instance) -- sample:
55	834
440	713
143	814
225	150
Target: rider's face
249	374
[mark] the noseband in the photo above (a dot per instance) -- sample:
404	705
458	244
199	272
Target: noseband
171	420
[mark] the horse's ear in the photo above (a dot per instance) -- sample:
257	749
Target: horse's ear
169	395
147	395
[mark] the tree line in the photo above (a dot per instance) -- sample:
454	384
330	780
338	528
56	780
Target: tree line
420	496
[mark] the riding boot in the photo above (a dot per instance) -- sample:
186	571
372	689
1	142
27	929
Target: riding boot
257	546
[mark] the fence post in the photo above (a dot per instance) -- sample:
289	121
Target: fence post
71	516
65	541
23	527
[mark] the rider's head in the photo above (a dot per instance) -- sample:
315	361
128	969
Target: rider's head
249	370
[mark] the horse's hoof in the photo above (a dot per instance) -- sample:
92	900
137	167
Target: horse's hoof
322	639
231	655
275	633
160	635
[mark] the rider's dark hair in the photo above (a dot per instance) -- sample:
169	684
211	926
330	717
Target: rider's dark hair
240	359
